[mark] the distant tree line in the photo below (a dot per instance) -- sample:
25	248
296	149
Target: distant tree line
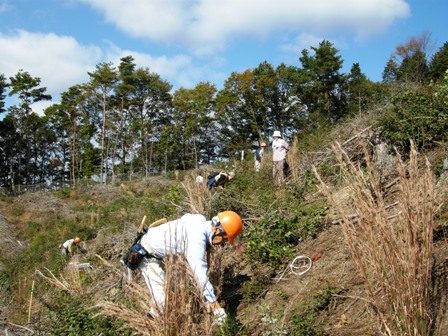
126	119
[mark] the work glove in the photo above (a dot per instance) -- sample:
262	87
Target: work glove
220	316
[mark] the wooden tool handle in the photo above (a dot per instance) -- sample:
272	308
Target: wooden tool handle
157	223
142	225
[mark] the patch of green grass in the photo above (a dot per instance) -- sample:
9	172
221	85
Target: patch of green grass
64	192
6	198
233	327
121	203
68	316
253	289
17	210
306	323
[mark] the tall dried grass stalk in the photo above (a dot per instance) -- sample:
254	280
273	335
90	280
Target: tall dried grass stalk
69	280
198	196
184	312
293	158
392	246
195	194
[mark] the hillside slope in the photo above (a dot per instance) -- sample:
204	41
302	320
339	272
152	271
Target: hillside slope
330	299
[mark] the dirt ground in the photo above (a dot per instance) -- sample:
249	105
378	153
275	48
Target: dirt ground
350	313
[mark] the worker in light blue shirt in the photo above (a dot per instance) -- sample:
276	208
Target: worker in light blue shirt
188	236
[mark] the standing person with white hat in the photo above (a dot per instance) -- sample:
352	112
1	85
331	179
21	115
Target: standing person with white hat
279	148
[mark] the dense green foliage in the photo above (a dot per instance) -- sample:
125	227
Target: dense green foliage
69	317
273	240
420	116
127	121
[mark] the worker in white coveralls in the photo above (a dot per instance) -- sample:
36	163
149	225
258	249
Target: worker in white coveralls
67	247
189	236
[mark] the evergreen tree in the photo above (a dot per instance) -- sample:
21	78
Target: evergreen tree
194	125
321	84
3	86
123	93
414	68
408	64
291	116
27	90
9	152
439	63
362	93
150	110
102	84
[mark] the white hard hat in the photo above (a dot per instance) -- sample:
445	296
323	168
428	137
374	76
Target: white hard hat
277	134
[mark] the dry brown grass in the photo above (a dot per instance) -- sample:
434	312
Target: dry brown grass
198	196
184	312
69	281
392	246
292	159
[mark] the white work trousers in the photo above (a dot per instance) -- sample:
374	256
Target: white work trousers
257	165
154	275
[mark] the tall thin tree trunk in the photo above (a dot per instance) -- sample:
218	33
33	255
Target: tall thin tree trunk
11	171
166	160
150	157
195	153
123	154
103	172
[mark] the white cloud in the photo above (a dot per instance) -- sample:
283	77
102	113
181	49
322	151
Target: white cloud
179	70
303	41
200	26
306	41
59	61
206	26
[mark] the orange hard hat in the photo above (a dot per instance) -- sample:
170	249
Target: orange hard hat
263	144
231	223
77	240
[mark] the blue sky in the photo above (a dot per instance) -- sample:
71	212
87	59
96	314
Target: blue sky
192	41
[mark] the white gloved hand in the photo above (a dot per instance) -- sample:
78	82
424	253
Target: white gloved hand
220	316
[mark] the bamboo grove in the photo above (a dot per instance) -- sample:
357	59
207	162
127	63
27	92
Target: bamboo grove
128	120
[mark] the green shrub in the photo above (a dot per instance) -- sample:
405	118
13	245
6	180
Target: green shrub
64	192
272	240
42	251
175	193
421	116
69	317
33	227
311	218
232	327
